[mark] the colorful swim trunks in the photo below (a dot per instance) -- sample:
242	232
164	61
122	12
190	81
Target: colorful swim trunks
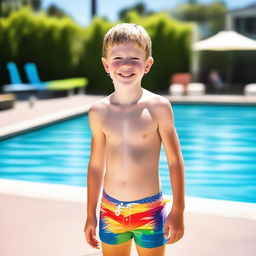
143	220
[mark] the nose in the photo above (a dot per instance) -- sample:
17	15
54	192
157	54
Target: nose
126	62
126	66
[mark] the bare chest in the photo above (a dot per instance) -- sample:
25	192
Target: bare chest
131	126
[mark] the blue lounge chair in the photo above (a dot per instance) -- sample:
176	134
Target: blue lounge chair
16	84
63	84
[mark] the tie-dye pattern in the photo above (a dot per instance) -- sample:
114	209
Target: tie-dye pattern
142	219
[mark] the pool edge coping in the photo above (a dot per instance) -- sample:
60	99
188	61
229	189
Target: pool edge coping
76	194
49	119
213	99
42	121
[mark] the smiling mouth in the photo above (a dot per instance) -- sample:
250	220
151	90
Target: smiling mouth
126	75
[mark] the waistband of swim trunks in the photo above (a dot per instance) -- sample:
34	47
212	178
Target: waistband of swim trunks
145	200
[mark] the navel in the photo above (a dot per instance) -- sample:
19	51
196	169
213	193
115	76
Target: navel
124	182
144	136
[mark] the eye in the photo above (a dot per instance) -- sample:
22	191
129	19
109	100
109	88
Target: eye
135	58
117	58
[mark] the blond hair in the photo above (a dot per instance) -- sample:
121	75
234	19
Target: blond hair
127	33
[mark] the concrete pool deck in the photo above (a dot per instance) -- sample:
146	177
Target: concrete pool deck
48	219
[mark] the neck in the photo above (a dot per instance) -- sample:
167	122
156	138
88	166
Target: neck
127	97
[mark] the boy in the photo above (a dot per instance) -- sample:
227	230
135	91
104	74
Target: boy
128	128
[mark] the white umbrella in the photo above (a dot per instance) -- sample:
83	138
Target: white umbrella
226	41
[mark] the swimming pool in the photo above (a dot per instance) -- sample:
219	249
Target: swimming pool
218	145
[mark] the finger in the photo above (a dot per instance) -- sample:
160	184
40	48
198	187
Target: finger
95	241
166	232
91	239
172	238
179	236
93	244
176	237
94	236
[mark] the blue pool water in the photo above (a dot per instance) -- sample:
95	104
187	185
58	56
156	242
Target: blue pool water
218	145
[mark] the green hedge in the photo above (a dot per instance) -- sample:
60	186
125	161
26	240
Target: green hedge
49	42
90	61
62	49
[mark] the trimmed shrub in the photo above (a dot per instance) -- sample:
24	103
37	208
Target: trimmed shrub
49	42
90	61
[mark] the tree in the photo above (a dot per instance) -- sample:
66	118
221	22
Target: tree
54	10
140	8
34	4
192	1
9	6
210	17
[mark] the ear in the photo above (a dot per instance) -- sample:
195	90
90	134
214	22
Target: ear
105	64
149	63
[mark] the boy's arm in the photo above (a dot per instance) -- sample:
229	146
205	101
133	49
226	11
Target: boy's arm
95	173
97	160
174	225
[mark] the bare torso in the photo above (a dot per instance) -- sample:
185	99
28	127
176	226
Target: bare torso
132	148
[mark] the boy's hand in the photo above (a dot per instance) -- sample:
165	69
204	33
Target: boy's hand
90	233
174	227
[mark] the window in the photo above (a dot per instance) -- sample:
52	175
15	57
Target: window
238	25
250	25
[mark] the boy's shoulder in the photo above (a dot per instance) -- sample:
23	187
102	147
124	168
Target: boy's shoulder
97	112
98	104
156	99
158	103
160	108
98	107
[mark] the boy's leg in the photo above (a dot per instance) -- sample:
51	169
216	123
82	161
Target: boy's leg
159	251
122	249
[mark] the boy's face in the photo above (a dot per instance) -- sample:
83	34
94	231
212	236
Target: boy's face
126	63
